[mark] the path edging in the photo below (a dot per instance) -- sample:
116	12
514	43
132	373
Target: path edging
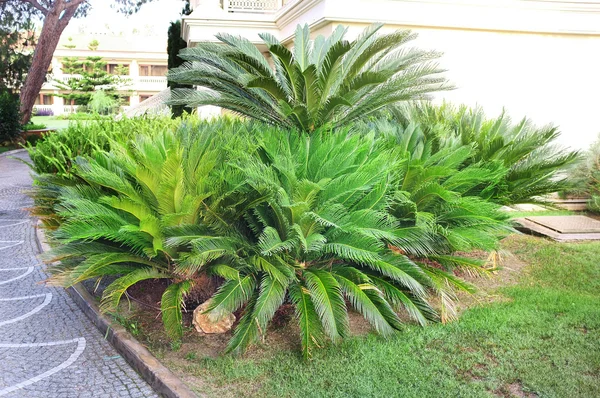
159	377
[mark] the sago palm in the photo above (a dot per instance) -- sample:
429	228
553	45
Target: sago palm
440	193
530	155
325	81
125	205
316	231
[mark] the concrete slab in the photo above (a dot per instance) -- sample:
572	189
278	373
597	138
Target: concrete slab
568	224
562	228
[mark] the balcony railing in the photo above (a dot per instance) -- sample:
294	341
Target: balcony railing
134	79
65	109
253	6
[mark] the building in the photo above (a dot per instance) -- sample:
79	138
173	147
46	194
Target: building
536	58
143	56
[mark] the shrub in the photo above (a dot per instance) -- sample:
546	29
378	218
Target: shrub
32	126
42	112
52	157
82	114
102	103
316	221
321	82
533	162
325	222
55	153
123	208
10	117
584	177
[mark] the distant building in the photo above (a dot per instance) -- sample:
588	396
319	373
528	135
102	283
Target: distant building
539	58
145	57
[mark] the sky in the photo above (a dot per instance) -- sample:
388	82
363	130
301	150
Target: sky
153	18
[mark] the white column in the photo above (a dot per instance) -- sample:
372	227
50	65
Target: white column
134	98
58	106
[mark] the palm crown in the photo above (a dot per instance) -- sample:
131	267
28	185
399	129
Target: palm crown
323	81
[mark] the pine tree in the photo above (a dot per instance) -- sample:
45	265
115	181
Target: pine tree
89	76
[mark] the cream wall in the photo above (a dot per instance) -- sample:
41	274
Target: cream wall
549	78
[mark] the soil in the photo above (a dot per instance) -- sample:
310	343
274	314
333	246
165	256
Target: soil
144	309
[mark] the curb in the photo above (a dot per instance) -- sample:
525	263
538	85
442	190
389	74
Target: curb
13	152
161	379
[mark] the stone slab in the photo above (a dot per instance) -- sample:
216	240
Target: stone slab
538	229
568	224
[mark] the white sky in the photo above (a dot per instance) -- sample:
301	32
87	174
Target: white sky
153	18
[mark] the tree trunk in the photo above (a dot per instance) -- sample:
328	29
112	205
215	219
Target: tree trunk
54	24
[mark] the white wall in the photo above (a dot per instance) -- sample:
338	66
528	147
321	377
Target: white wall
549	78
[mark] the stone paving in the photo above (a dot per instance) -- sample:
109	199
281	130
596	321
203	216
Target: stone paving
48	348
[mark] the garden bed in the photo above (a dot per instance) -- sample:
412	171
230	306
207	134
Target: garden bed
530	331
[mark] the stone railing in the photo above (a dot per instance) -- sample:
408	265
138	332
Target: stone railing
140	83
253	6
65	109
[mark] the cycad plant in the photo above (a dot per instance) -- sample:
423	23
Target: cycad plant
324	226
442	195
123	207
584	177
325	81
51	159
534	163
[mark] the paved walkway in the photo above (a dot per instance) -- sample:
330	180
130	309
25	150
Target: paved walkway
48	348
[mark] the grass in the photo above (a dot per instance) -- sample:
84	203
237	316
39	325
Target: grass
8	148
51	122
521	214
541	337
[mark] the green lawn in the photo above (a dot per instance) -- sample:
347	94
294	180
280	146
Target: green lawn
50	121
8	148
540	338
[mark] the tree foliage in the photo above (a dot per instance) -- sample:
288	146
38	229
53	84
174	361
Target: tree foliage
320	82
17	40
174	45
10	118
56	15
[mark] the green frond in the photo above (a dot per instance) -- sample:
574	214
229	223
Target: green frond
232	295
327	299
170	305
113	292
311	331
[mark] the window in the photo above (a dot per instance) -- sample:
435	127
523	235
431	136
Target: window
44	99
158	70
117	69
153	70
144	97
144	70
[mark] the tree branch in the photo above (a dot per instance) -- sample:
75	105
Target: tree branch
66	17
73	3
38	6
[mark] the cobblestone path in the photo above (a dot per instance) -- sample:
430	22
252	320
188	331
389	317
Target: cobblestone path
48	348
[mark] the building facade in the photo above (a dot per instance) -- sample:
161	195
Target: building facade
534	58
142	58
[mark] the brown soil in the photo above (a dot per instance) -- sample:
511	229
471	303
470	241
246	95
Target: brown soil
514	390
283	334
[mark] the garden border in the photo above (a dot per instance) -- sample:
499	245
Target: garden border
160	378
